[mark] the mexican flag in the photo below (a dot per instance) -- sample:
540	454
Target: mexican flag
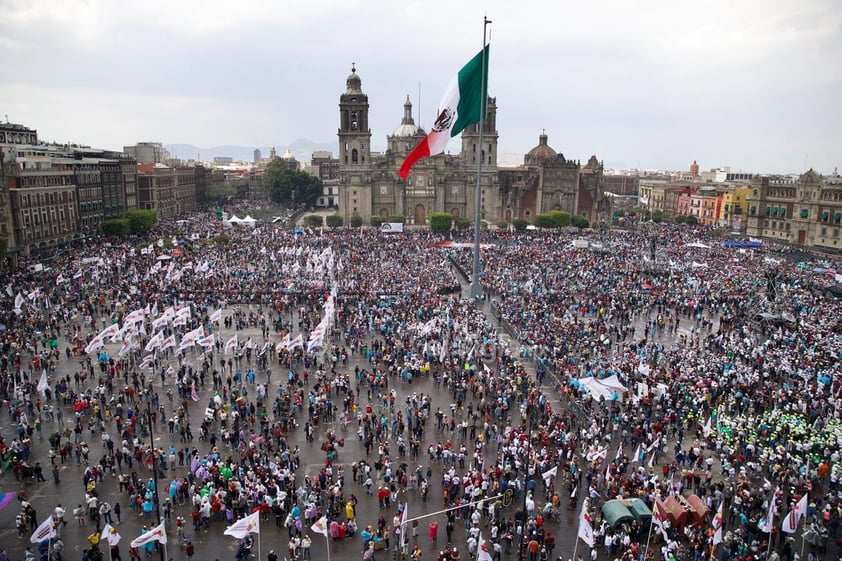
462	104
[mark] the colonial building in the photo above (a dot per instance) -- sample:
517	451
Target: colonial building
369	184
42	195
169	191
806	211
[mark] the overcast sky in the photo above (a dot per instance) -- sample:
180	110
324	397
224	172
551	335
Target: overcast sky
751	84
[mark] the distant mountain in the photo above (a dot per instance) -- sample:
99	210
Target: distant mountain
302	148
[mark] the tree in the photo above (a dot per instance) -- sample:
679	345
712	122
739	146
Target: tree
658	216
141	221
116	227
560	218
462	223
313	220
544	221
377	220
219	191
333	221
519	224
580	221
356	221
502	224
440	221
287	186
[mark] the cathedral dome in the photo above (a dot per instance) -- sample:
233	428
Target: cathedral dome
542	152
407	126
288	155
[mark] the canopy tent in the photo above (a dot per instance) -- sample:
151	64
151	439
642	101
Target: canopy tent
639	510
234	219
670	509
609	388
616	513
248	220
696	509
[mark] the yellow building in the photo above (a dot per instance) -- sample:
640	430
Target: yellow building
734	208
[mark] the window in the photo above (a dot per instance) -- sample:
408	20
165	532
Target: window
354	156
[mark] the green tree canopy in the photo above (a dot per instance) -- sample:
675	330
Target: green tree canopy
519	224
440	221
356	221
287	186
333	220
141	220
313	220
116	227
580	221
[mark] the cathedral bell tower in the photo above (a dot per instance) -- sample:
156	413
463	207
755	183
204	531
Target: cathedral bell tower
470	139
354	134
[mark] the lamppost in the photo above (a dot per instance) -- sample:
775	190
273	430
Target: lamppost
530	425
155	495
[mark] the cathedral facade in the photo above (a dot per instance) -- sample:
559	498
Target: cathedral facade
370	186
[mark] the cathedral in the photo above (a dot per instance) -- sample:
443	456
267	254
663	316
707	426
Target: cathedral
370	185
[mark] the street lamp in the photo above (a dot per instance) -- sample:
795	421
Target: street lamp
155	495
530	425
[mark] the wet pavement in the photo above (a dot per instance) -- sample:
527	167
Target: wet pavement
212	544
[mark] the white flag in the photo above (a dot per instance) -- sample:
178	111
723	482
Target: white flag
320	527
109	534
244	526
46	530
482	550
585	527
156	534
791	520
404	515
717	525
43	384
230	345
549	474
768	524
216	316
636	454
708	428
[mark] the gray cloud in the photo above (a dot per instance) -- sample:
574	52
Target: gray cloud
655	83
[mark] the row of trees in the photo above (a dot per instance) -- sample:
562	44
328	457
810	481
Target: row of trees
443	221
131	222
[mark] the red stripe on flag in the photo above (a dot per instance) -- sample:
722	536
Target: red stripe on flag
420	151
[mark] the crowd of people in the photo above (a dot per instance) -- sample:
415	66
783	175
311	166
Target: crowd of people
251	349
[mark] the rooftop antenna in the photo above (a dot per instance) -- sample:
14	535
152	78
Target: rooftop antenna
7	118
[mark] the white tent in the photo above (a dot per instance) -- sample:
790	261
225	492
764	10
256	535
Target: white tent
234	219
248	220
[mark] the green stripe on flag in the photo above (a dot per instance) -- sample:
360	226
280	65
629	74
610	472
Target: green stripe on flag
472	95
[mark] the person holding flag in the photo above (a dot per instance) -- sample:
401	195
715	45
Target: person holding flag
244	526
148	536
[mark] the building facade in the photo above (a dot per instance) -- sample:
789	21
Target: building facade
169	191
369	185
805	212
147	152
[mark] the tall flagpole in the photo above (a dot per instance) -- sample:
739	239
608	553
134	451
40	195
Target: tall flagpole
476	287
327	543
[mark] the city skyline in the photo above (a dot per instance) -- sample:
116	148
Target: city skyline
749	86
